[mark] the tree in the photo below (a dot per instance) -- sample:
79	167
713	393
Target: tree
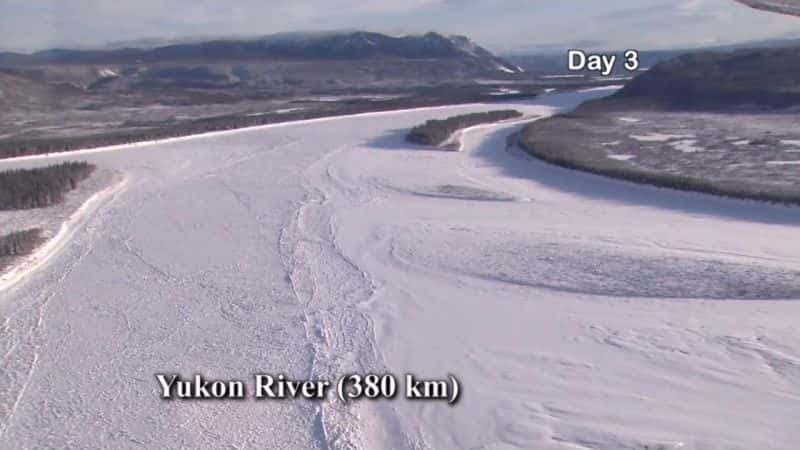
41	187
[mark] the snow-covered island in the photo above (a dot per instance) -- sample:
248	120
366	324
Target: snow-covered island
445	133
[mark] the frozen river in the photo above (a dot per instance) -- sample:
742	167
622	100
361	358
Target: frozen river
577	312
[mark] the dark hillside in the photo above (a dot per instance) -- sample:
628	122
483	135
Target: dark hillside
758	78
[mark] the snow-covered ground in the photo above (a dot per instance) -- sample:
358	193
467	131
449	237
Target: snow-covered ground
58	224
577	312
659	137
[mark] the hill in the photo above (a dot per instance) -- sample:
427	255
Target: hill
723	123
349	46
754	78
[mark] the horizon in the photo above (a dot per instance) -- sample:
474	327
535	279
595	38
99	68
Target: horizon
146	43
502	26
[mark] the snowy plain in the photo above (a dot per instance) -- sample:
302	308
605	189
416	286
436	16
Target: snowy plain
578	312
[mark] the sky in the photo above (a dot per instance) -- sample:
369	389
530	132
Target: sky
500	25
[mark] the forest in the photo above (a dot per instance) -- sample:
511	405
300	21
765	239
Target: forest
20	243
40	187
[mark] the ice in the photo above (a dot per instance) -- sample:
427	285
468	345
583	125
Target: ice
576	311
504	91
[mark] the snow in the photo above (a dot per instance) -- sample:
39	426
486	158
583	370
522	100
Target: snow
784	163
43	254
277	111
686	145
576	311
108	73
601	88
505	69
504	91
629	120
607	78
659	137
621	157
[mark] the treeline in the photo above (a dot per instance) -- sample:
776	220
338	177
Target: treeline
20	243
571	156
437	132
16	147
41	187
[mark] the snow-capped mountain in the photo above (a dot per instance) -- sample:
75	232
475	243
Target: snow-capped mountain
357	45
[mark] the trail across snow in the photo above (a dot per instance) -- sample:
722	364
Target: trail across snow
578	312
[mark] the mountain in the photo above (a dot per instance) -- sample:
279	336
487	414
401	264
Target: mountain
553	59
281	64
285	46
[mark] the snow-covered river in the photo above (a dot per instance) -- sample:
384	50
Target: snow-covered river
576	311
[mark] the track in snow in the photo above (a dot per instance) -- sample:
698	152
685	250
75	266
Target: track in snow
578	312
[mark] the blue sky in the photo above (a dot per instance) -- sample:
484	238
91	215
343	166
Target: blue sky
500	25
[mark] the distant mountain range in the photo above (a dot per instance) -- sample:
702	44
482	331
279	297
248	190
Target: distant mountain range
357	45
286	64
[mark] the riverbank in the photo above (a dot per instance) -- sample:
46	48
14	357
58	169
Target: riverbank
444	133
57	223
748	156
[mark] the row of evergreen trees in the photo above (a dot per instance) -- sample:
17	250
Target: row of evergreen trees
41	187
20	243
437	132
